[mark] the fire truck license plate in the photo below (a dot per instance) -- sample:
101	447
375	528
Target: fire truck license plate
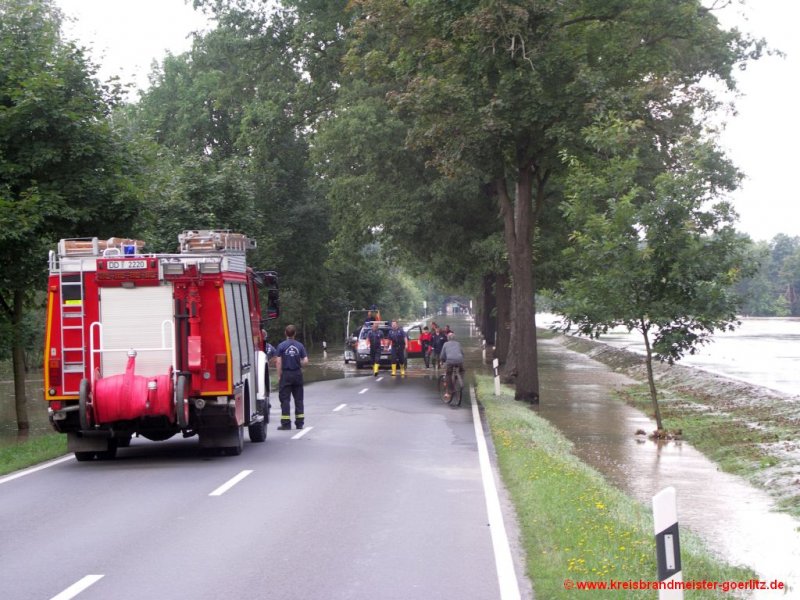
126	264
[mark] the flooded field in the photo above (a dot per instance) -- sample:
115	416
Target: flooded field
761	351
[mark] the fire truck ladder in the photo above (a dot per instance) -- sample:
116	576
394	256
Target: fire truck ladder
72	319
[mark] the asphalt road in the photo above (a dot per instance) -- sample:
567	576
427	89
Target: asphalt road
380	498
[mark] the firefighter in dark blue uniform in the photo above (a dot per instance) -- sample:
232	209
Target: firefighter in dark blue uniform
374	336
398	337
291	356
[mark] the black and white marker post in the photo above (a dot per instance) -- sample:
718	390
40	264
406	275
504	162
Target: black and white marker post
668	547
496	369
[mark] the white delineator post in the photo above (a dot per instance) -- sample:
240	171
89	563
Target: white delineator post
496	368
668	547
483	350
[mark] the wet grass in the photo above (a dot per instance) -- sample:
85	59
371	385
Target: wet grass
738	439
574	525
32	451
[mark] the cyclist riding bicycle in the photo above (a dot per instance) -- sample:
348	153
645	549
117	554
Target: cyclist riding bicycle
453	357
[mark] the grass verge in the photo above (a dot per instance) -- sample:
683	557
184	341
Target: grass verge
574	525
32	451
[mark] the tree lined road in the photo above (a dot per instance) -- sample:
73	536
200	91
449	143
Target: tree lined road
380	497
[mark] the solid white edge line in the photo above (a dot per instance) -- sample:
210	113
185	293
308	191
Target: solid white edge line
364	391
230	483
77	587
46	465
340	407
302	433
506	575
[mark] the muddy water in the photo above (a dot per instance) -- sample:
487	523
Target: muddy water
761	351
735	519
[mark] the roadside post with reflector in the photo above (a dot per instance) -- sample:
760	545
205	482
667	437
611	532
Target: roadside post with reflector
668	547
496	369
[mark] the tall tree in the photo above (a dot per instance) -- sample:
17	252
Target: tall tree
231	116
502	88
657	254
63	169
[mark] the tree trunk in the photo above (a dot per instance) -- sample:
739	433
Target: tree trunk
518	231
650	379
18	360
488	305
503	295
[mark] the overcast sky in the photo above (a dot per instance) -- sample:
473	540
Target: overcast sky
127	35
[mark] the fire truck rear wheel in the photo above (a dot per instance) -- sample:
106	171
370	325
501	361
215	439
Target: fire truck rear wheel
84	405
181	415
257	431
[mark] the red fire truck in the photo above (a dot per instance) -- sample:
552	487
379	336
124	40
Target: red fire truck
156	344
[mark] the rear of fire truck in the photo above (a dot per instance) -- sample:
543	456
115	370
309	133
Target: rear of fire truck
153	345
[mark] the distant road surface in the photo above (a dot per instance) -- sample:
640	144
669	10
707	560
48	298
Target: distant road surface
762	351
381	497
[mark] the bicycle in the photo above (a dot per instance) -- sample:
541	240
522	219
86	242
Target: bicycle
458	386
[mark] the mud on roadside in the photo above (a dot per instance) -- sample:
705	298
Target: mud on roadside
772	417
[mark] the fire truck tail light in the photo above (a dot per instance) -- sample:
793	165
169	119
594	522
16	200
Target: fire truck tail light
55	405
221	363
173	269
54	368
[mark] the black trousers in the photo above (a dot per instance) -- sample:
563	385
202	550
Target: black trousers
399	356
291	386
375	354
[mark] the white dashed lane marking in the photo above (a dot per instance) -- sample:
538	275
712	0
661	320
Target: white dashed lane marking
230	483
340	407
302	433
77	587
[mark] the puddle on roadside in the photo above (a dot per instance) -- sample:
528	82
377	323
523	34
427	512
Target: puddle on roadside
735	519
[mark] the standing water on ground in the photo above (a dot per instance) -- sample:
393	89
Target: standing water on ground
735	519
761	351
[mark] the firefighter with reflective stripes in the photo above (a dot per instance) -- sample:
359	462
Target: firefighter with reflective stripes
291	357
375	337
398	337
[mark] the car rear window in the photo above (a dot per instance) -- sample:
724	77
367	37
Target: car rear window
365	331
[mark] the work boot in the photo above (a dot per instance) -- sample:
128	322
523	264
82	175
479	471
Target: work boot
298	425
402	371
375	368
394	370
285	426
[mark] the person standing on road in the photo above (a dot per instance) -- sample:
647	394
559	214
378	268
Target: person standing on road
425	341
438	339
291	357
375	337
453	357
398	337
